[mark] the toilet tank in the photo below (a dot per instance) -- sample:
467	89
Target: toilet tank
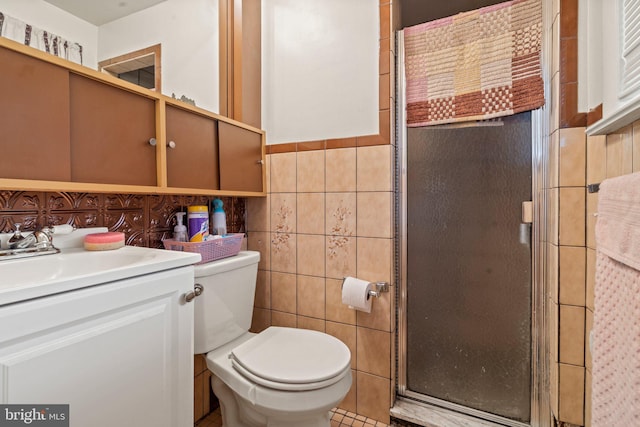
224	310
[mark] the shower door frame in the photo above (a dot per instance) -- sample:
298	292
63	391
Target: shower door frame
540	409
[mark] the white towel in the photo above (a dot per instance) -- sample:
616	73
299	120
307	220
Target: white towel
616	322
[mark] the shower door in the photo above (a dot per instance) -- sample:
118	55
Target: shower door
468	267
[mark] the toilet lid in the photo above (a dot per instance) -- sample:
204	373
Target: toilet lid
292	359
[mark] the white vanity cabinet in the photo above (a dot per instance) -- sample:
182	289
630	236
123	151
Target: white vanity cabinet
119	353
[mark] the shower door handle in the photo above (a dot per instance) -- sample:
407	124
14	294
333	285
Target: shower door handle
527	220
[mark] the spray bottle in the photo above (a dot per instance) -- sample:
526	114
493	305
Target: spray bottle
219	218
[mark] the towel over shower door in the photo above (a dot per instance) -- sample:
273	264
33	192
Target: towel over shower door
469	266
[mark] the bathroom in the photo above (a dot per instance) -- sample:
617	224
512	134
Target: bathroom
331	189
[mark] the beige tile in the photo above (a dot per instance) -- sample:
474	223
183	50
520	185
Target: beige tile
373	396
260	241
571	224
346	334
311	171
341	170
374	352
311	323
596	159
620	152
267	163
553	216
591	278
341	257
572	275
311	213
381	312
588	327
554	148
335	310
311	296
261	320
341	214
349	403
373	169
572	157
572	335
552	271
263	289
283	172
283	252
374	217
283	292
592	209
587	399
553	389
571	394
279	318
283	212
310	254
374	259
554	321
258	216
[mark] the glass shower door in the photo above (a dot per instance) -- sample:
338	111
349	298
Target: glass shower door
468	283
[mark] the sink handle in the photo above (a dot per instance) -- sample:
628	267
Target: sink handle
196	292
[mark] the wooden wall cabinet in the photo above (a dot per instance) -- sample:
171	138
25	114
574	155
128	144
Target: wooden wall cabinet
66	127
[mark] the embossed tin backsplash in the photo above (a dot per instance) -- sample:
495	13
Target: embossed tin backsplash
145	219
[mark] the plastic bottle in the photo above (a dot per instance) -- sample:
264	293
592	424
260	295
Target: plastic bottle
180	230
219	218
198	217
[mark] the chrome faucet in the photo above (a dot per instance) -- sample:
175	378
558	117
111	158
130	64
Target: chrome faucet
40	242
41	239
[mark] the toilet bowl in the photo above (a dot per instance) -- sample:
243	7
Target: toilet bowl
282	377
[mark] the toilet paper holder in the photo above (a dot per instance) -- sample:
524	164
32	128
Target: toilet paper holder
378	288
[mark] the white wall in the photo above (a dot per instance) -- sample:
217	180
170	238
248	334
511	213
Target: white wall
320	69
52	19
188	32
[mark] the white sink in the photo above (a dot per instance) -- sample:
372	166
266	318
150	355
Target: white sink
75	268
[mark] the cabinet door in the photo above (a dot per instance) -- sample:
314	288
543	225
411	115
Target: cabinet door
193	161
120	354
34	118
241	159
110	132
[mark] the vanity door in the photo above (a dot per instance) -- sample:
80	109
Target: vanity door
119	354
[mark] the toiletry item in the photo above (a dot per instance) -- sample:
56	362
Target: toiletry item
198	217
104	241
14	241
180	230
219	218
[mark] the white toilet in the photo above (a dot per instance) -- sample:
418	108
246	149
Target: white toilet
281	377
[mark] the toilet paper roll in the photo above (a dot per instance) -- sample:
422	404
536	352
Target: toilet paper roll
355	293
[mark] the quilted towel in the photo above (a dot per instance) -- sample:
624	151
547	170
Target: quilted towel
616	322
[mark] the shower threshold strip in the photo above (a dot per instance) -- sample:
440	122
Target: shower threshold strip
414	408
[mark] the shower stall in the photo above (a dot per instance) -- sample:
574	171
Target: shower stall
471	334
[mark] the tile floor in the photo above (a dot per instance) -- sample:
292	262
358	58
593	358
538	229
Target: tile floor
339	418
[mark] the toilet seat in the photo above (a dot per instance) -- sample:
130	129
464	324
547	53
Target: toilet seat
292	359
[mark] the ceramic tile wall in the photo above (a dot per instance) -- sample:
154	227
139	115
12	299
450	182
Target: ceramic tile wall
329	214
574	162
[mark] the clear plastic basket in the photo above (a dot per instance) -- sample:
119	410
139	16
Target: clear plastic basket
210	250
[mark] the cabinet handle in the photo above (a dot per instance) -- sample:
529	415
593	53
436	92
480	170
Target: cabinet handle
260	162
171	144
152	141
196	292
